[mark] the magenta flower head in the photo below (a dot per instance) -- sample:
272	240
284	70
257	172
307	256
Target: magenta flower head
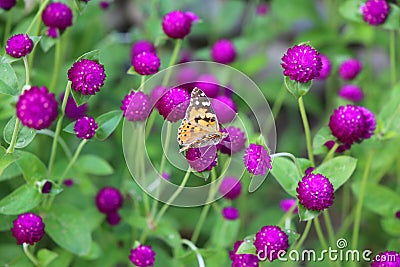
177	24
315	192
113	218
87	76
271	242
109	200
37	108
46	188
234	142
68	182
146	63
72	111
351	92
225	108
230	213
28	228
349	69
326	67
287	204
387	259
203	158
397	214
57	16
242	260
230	187
142	256
351	124
19	45
104	5
375	12
301	63
85	127
208	84
257	159
262	9
142	46
7	4
341	148
136	106
223	51
173	104
193	16
156	94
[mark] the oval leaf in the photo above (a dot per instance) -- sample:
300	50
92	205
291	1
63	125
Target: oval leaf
32	168
79	98
5	160
8	80
305	214
92	55
21	200
108	122
93	164
25	134
46	256
247	247
321	137
286	174
338	170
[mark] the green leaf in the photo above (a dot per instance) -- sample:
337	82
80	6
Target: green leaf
321	137
66	225
79	98
46	256
350	10
107	122
296	88
94	253
33	169
224	233
304	164
8	80
25	134
21	200
391	225
389	116
292	236
6	222
70	128
47	43
338	170
247	247
131	71
63	260
10	172
285	172
305	214
93	164
171	236
392	22
92	55
5	160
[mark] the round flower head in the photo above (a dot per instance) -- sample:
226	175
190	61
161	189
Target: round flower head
262	9
57	16
85	127
156	94
351	92
223	51
7	4
166	176
301	63
387	259
19	45
397	215
242	260
375	12
87	76
142	256
113	218
177	24
104	4
225	108
187	75
272	241
142	46
257	159
46	188
369	123
146	63
109	200
28	228
37	108
173	104
136	106
193	16
208	84
315	192
230	187
72	111
234	142
203	158
230	213
287	204
341	148
326	67
349	69
68	182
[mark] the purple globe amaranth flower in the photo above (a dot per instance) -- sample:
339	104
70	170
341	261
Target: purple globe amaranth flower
136	106
142	46
208	84
287	204
203	158
315	192
387	259
173	104
271	242
351	92
46	188
113	218
242	260
225	108
68	182
7	4
104	4
85	127
397	215
187	75
166	176
146	63
375	12
223	51
28	228
177	24
234	142
341	148
230	213
257	159
351	124
109	200
193	16
87	76
326	67
156	94
142	256
19	45
349	69
230	187
37	108
301	63
262	9
72	110
57	16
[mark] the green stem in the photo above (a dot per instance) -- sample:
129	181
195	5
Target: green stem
287	214
357	219
74	158
150	123
29	255
292	157
37	16
26	64
7	27
57	61
345	200
329	227
331	152
307	130
192	246
142	170
167	141
172	61
320	234
142	80
392	49
303	236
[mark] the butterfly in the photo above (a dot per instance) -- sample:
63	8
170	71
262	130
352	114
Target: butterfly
200	125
